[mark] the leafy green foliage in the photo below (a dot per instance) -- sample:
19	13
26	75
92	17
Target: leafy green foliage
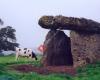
7	38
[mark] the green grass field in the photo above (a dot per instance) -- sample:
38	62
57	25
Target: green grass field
90	72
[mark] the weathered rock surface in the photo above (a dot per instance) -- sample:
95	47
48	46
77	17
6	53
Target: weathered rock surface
58	49
84	39
85	48
69	23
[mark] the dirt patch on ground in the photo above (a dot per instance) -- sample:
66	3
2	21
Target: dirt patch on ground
44	70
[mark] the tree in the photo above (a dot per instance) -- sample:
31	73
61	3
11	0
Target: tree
1	22
8	38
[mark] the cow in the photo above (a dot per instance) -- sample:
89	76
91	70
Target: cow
25	52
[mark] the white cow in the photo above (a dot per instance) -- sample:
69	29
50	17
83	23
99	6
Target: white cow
25	52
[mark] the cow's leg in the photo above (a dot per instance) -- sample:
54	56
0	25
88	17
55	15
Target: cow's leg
30	58
16	57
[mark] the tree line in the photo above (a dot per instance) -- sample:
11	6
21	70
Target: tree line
7	37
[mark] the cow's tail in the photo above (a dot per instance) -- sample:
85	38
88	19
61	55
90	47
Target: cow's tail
34	56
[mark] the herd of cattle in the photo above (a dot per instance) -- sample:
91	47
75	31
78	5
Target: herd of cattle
25	52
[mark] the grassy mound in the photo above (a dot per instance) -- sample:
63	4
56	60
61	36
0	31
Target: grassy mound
89	72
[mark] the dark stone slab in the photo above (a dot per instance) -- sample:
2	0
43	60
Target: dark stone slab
58	49
69	23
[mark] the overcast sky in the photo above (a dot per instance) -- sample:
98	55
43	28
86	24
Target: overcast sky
23	15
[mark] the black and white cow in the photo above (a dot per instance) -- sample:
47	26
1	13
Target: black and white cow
25	52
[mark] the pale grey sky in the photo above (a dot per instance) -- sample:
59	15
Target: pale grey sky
23	15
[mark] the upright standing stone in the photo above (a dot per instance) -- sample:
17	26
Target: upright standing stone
85	40
85	48
58	49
